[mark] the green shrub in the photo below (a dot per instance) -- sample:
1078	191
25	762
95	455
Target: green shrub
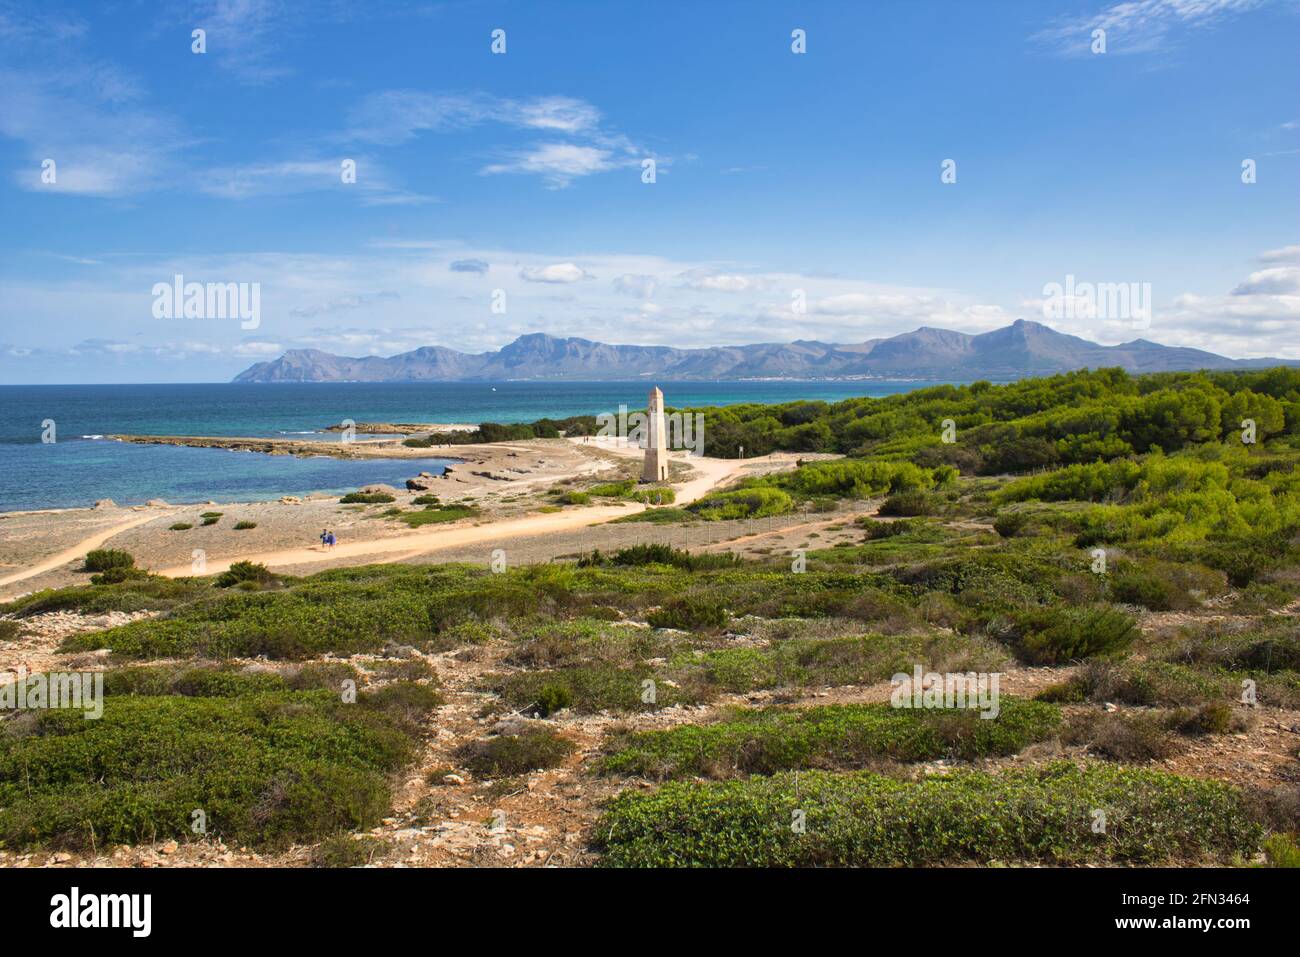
661	516
244	572
115	576
756	502
909	503
9	630
346	850
211	519
1164	586
868	820
587	689
846	736
689	613
1053	636
880	530
426	500
437	514
244	525
507	754
801	662
612	489
552	698
103	559
655	553
180	527
134	591
367	498
267	769
1214	717
654	495
1281	850
1010	524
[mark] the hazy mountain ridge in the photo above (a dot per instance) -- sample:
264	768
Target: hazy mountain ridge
1022	348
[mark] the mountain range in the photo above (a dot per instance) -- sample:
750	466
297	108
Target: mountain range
1023	348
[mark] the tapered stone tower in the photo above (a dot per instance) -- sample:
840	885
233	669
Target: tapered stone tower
655	468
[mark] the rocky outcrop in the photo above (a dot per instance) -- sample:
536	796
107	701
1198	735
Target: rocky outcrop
422	482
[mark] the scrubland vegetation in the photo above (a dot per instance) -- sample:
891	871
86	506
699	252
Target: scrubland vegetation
1115	532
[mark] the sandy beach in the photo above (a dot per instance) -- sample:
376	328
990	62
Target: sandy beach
509	484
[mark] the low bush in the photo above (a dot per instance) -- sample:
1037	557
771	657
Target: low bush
846	736
104	559
347	850
244	572
115	576
267	769
910	503
868	820
180	527
367	498
507	754
588	689
1053	636
689	613
800	662
1130	738
1010	524
757	502
436	515
244	525
877	531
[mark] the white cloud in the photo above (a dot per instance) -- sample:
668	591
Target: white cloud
630	284
1287	254
559	164
554	273
242	36
1138	26
1277	280
397	116
708	279
286	177
399	295
562	113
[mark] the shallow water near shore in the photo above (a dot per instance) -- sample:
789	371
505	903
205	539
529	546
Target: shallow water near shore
82	467
76	472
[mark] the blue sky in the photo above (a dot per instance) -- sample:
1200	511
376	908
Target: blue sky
777	174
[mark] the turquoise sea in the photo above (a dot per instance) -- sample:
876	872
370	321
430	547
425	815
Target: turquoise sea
81	466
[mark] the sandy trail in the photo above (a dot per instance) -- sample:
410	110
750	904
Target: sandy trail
421	542
712	473
78	550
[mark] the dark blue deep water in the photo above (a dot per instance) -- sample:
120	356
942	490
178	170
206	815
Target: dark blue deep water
78	469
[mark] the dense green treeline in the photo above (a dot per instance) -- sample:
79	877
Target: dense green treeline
1034	423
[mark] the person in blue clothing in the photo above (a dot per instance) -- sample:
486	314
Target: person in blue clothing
330	540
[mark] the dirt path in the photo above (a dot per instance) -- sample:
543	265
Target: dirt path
78	550
712	472
421	542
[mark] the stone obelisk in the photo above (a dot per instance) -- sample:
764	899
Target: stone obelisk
655	468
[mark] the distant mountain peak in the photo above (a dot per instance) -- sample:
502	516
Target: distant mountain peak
1024	347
